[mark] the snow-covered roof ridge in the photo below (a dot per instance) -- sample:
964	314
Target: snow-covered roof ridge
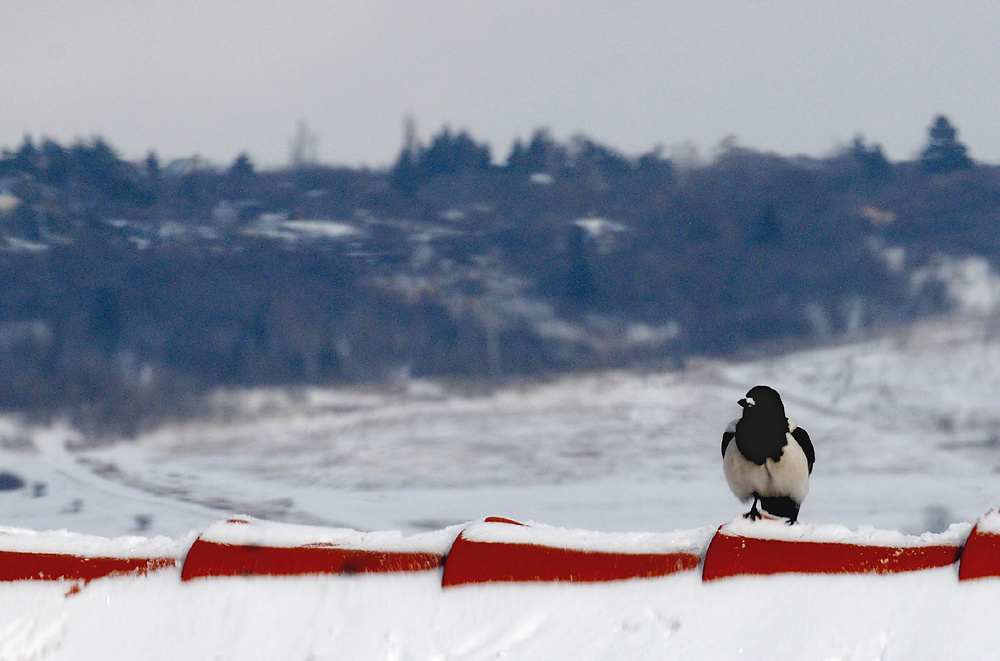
20	540
248	531
955	535
989	523
586	540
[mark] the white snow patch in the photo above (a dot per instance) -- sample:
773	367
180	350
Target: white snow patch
989	523
971	282
62	541
955	535
244	531
693	541
291	230
919	615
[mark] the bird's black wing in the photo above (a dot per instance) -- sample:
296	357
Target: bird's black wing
802	438
728	435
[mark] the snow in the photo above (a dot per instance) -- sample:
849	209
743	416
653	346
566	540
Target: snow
971	283
907	436
906	429
989	523
291	230
20	540
244	531
925	615
694	541
955	535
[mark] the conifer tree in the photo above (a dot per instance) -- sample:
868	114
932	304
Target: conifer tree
944	153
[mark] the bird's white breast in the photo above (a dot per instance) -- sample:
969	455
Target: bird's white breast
787	477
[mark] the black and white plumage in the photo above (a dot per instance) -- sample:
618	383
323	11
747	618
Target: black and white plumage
767	457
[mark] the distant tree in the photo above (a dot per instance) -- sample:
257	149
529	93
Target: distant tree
54	163
404	174
767	228
23	221
517	153
542	154
870	159
242	166
944	153
592	158
580	279
303	148
99	166
106	318
448	154
25	159
97	161
653	163
152	165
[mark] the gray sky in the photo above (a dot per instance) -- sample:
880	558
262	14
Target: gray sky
216	77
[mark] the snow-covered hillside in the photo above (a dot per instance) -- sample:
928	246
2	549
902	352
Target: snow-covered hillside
907	432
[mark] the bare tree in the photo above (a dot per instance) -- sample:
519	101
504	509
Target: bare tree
303	150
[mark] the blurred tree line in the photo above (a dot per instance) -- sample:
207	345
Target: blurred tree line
127	290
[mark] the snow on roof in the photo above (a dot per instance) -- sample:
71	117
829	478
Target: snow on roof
20	540
244	531
828	533
989	523
587	540
918	615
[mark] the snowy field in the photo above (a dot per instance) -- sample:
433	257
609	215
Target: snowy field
907	435
906	429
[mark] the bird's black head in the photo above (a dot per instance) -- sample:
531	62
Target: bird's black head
763	400
761	430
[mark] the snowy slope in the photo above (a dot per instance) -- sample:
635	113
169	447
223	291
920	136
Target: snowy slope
907	431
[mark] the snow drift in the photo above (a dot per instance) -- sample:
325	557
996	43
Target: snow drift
240	609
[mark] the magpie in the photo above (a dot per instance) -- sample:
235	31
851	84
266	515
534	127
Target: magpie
765	456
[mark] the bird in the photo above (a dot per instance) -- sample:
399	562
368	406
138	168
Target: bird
767	457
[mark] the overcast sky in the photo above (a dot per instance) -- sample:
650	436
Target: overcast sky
217	77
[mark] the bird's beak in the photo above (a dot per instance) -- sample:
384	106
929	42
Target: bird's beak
746	402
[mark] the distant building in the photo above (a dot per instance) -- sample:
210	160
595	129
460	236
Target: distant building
182	166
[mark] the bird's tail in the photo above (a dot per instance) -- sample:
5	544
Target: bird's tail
782	506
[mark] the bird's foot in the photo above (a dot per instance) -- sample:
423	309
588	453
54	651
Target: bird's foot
753	514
